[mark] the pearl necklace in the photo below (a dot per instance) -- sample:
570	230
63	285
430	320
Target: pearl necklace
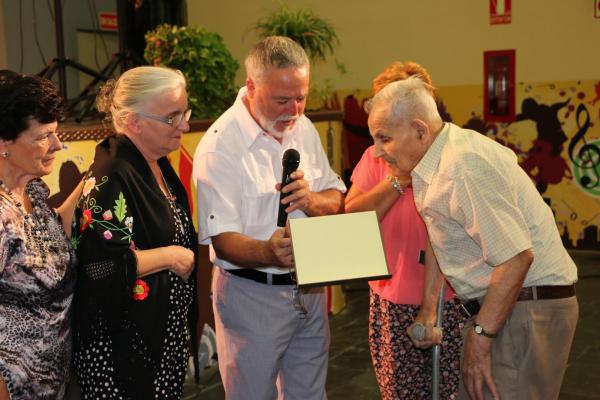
39	237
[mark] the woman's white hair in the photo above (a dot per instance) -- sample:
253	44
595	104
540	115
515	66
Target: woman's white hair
405	100
129	93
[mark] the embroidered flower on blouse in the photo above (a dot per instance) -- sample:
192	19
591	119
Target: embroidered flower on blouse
129	223
132	245
140	290
109	223
89	185
85	221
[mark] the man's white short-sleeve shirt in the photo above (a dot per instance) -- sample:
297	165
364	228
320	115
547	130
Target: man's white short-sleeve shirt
236	167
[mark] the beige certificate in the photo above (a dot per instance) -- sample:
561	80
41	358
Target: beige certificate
338	248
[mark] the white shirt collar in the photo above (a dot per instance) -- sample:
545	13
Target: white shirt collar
248	126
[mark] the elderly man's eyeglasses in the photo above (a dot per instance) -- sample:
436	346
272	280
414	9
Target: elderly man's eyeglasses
172	121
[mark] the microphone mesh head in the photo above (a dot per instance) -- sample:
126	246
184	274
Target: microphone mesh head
290	158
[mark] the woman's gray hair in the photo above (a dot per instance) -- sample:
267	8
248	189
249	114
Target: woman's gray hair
132	90
405	100
274	52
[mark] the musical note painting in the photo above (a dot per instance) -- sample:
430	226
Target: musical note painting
555	133
558	132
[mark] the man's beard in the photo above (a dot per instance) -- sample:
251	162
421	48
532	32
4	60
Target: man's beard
269	125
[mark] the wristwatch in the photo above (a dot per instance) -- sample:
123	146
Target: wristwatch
480	331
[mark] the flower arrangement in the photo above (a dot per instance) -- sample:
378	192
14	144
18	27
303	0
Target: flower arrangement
205	61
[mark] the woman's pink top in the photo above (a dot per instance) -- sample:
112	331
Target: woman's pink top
404	237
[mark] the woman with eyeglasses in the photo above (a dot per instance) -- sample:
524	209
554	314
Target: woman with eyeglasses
135	244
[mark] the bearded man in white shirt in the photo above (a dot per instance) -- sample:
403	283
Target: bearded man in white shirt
272	340
495	240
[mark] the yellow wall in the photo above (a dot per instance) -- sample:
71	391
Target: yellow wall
554	39
556	51
2	37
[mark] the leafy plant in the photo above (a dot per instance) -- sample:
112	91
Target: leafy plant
205	61
319	95
316	35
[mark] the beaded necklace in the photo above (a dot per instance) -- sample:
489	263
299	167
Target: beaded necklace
17	203
171	198
38	235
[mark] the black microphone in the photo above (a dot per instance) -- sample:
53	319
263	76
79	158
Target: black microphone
290	162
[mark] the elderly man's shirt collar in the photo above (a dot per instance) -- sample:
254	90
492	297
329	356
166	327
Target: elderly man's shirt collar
428	165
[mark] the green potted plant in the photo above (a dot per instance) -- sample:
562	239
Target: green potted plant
205	61
317	37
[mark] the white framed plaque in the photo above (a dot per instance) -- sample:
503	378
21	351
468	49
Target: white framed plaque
338	248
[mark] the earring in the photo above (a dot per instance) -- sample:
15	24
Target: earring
5	154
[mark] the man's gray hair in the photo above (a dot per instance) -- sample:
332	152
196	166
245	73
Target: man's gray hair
404	101
274	52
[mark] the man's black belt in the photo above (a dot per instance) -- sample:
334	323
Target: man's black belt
262	277
472	307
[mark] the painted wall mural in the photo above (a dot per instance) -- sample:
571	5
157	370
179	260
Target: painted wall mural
556	136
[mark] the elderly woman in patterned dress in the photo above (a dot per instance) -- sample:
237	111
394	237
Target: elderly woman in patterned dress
134	239
36	262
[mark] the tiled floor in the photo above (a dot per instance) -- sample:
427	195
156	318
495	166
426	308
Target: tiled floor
582	379
351	375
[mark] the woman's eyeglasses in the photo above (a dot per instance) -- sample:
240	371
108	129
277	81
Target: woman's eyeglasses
172	121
